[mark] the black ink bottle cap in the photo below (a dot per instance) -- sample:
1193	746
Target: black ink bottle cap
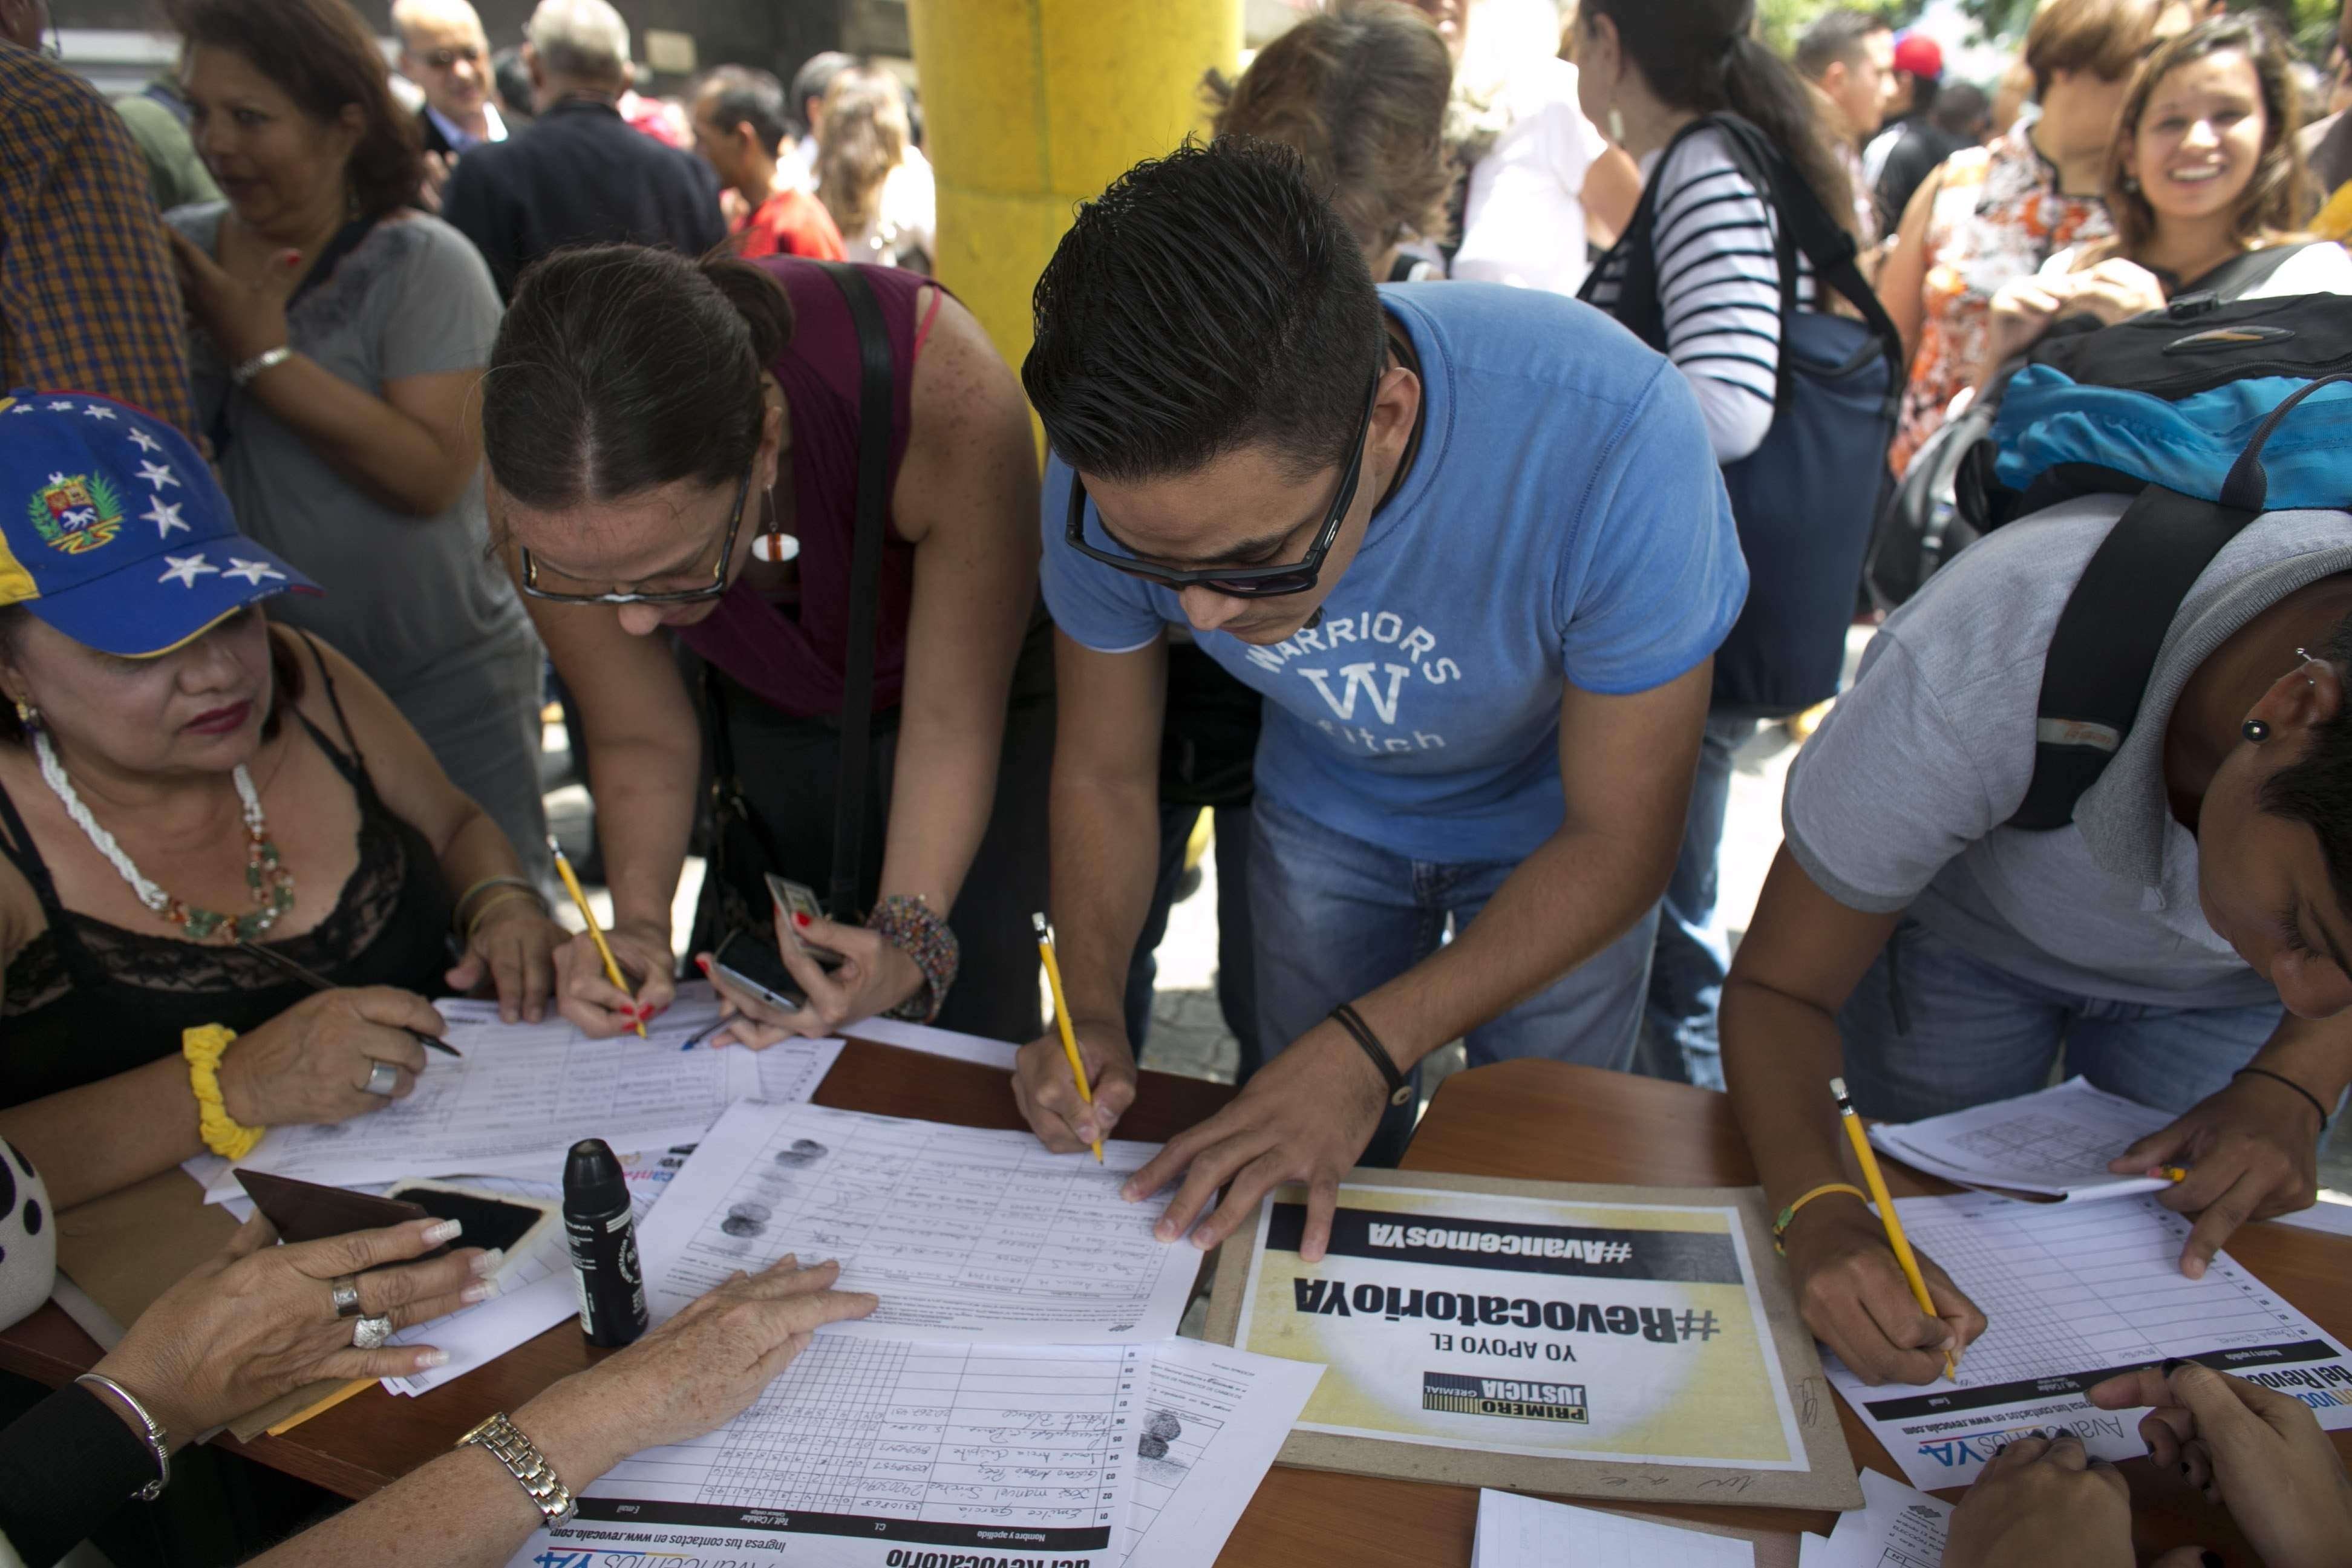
593	1183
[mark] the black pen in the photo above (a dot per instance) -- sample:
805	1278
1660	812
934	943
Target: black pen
318	982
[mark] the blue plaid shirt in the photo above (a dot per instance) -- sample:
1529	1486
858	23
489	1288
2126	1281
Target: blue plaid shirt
88	299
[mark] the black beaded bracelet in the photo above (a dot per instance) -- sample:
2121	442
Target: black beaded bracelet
2282	1078
1400	1086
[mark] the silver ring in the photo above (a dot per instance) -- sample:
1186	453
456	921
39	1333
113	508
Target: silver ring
383	1078
345	1288
369	1333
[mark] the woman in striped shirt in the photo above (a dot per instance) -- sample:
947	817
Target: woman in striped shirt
1646	71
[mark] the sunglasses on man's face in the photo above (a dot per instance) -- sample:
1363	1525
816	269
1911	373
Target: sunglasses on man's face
1238	581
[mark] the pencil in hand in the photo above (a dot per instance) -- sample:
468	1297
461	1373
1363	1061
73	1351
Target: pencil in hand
1062	1015
588	917
1876	1181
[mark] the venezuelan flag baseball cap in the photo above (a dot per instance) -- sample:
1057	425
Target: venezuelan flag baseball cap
112	531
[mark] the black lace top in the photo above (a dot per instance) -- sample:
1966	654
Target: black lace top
86	1000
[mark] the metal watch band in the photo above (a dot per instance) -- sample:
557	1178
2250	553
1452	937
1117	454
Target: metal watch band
157	1442
268	359
529	1467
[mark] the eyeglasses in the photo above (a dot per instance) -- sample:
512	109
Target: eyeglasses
715	589
442	59
1239	581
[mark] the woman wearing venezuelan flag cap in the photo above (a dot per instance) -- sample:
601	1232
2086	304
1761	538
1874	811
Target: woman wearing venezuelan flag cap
190	798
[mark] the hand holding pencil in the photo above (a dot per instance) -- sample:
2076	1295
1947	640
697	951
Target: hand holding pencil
593	1012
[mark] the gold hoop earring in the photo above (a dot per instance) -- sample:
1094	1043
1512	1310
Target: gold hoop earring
28	716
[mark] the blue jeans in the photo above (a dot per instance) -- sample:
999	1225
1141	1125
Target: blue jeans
1687	970
1932	1029
1335	917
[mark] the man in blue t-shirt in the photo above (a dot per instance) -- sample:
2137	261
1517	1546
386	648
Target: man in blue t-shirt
1473	546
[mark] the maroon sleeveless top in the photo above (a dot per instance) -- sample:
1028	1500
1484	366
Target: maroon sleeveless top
793	656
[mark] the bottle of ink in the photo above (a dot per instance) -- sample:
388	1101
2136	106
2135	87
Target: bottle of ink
603	1244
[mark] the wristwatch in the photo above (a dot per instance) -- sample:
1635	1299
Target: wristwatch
529	1467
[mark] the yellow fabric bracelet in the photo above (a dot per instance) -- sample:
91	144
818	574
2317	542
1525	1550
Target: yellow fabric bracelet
222	1134
1780	1226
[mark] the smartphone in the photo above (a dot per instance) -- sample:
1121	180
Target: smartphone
748	962
306	1211
799	899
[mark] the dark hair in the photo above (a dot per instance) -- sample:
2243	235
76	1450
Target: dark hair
1961	108
512	80
1699	56
319	54
2274	203
620	368
1361	93
815	75
1207	300
2104	37
285	676
739	97
1834	36
2317	789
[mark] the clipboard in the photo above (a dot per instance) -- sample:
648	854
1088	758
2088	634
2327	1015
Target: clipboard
1827	1481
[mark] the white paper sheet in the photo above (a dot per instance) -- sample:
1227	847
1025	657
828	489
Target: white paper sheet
936	1041
966	1235
2074	1294
1895	1528
1213	1419
2056	1142
1517	1532
866	1452
2332	1214
526	1092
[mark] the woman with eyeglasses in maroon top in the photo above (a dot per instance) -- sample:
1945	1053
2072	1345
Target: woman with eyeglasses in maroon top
673	446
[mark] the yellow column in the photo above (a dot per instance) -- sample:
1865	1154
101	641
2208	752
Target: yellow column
1031	106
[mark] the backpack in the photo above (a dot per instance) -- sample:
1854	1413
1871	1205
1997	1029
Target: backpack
2207	418
1804	499
1936	508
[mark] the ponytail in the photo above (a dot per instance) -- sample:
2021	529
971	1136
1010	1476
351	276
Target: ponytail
619	369
1699	56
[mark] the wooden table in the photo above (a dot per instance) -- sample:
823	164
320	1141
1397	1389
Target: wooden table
1529	1119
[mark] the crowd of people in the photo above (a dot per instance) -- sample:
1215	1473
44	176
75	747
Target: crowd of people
344	418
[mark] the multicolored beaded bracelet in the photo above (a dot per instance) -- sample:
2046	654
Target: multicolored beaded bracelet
909	923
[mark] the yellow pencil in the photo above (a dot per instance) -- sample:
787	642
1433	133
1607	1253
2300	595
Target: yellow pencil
1062	1015
588	916
360	1386
1895	1238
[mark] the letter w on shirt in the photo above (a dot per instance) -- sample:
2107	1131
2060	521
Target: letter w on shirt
1359	678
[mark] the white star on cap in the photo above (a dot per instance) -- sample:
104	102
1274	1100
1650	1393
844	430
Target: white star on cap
144	441
20	408
165	516
61	408
251	571
186	569
98	411
157	475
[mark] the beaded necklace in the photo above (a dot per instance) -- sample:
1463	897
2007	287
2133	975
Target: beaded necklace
272	884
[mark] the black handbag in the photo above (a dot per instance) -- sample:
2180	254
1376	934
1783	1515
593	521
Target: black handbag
742	849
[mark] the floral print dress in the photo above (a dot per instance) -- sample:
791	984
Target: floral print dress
1997	215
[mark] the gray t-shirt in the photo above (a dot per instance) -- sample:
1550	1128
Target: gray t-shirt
412	600
1898	802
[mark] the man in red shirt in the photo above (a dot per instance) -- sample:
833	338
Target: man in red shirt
739	126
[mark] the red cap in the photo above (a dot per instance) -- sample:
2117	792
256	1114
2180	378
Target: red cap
1919	55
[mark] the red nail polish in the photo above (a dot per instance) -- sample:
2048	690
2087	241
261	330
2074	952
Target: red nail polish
702	964
800	919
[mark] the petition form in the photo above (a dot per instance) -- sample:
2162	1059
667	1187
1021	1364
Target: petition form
966	1233
2073	1295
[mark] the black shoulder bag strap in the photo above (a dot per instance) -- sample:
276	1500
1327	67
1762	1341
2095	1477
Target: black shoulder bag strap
2103	649
1805	226
876	374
